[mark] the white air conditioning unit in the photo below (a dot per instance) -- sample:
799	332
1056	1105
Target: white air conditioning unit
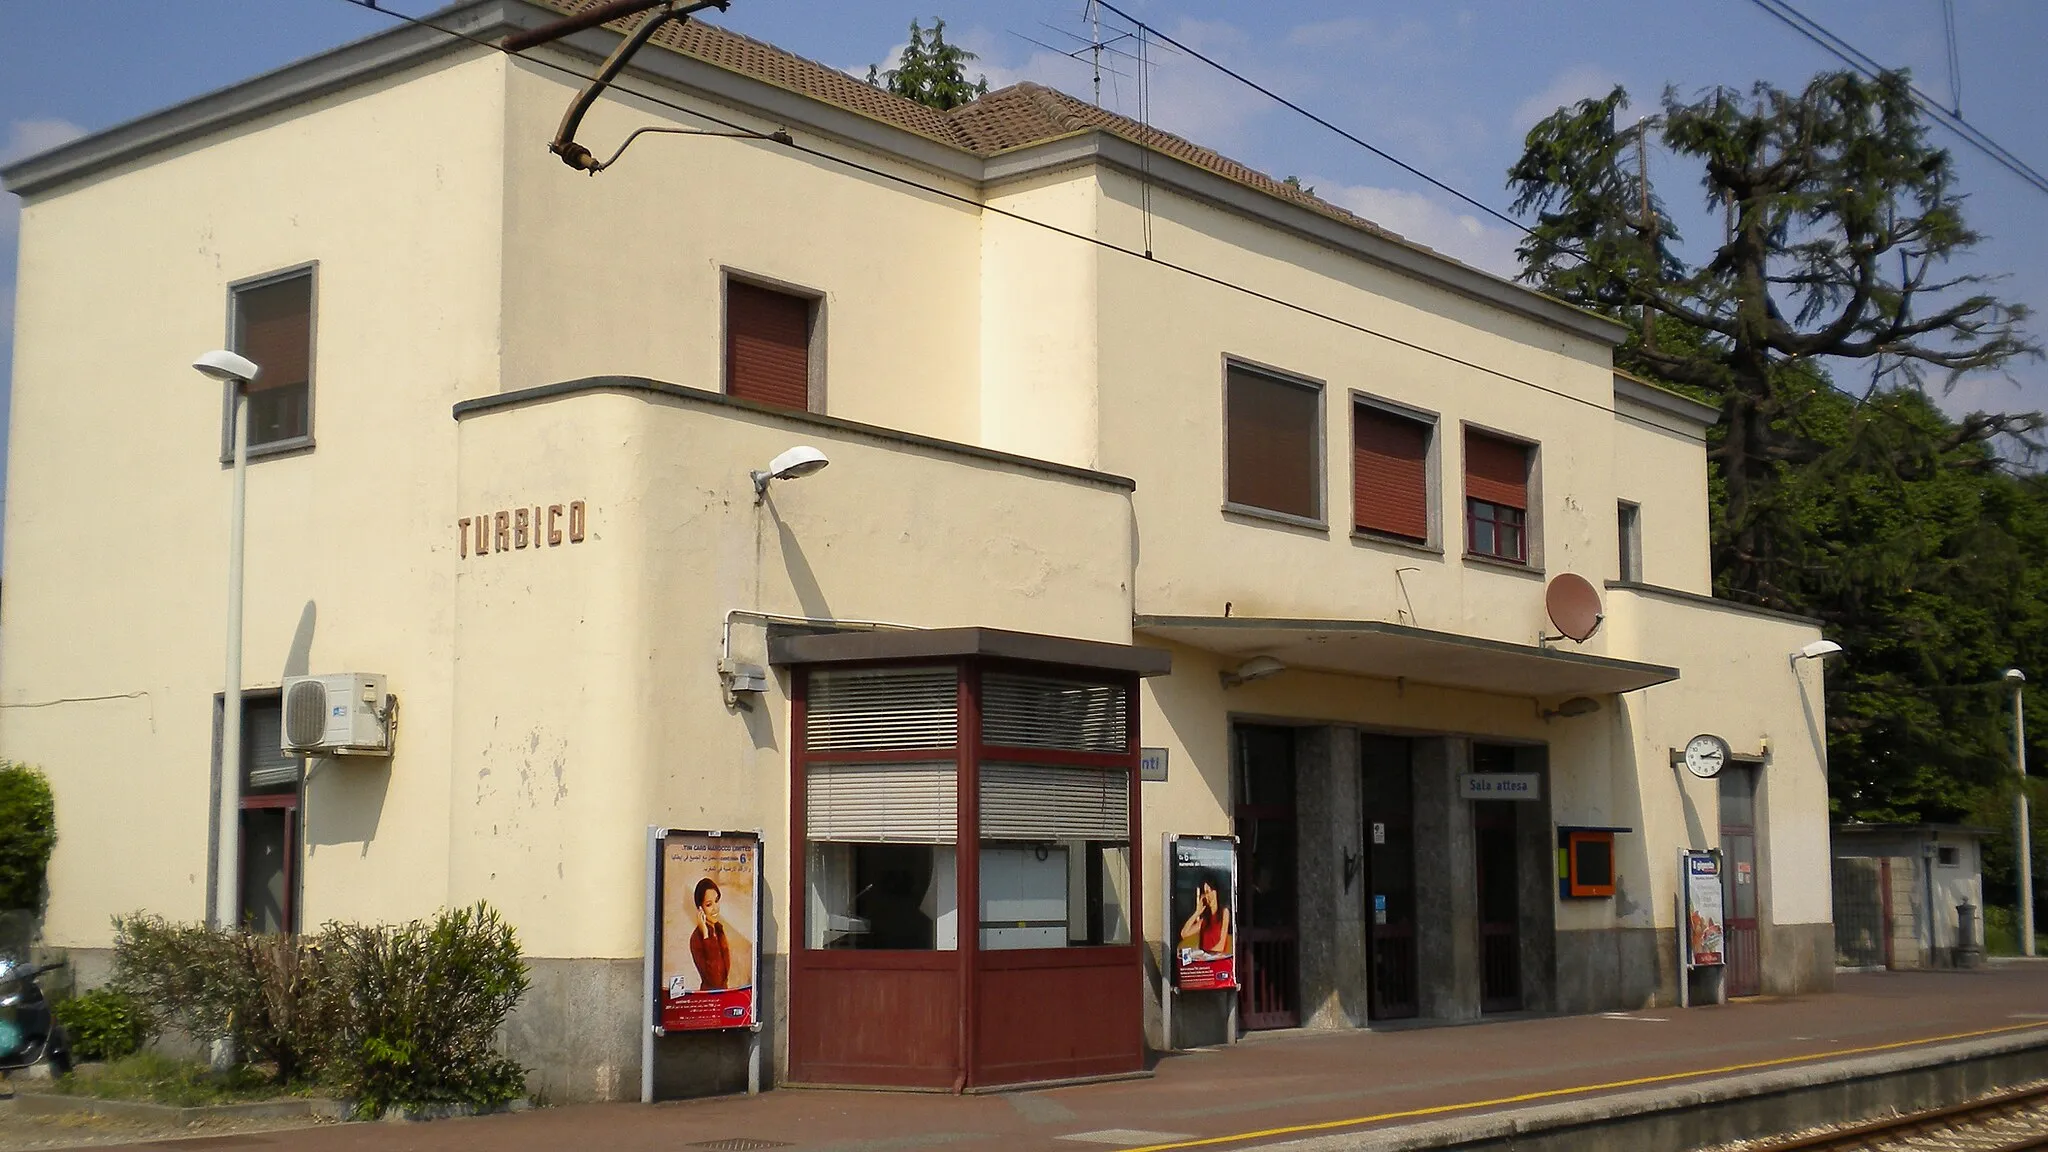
343	714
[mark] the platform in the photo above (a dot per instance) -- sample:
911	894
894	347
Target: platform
1339	1090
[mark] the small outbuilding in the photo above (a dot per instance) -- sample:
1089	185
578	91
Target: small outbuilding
1908	895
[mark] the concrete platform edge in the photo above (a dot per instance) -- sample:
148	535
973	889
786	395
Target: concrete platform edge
1696	1114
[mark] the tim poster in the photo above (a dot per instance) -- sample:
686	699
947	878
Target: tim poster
1204	913
710	923
1705	928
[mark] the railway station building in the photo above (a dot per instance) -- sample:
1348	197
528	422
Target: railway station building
1139	495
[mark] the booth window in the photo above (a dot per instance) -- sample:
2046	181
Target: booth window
1390	473
880	851
1055	861
1273	444
769	337
1496	497
271	322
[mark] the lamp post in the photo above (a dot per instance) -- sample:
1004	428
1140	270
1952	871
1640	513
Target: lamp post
237	372
2018	680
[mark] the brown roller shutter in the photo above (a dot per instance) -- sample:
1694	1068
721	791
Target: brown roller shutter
274	328
1389	473
1271	442
1496	470
767	346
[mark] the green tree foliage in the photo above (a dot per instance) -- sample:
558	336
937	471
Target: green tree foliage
1922	551
28	834
931	71
1842	219
104	1024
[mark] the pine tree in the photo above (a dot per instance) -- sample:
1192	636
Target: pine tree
931	71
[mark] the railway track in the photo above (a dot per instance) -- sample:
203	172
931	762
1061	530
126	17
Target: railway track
2008	1122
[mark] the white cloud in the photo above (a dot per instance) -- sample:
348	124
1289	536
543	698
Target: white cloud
1460	235
1571	86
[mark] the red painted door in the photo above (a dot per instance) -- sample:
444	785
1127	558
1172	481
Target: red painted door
1739	880
1270	934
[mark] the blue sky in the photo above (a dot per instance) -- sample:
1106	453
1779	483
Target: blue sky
1448	87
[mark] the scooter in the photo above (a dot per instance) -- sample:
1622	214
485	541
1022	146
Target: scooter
28	1033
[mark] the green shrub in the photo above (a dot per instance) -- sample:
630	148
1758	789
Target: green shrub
419	1008
104	1024
28	834
266	993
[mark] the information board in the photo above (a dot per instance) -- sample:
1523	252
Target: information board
707	960
1706	926
1203	912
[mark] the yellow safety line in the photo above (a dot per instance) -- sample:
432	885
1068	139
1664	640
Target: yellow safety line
1440	1109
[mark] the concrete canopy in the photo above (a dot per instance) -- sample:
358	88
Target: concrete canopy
1398	651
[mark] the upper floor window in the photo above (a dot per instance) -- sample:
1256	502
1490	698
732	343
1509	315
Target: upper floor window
769	339
1496	497
271	322
1273	435
1390	472
1629	530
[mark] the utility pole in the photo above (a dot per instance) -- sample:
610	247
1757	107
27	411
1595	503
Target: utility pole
2021	830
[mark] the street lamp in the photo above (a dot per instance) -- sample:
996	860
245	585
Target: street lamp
2018	680
237	372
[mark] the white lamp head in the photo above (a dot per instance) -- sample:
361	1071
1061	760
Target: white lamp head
1817	649
1256	668
226	366
798	462
2015	676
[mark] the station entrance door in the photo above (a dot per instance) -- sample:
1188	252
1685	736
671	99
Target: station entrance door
1268	929
1387	784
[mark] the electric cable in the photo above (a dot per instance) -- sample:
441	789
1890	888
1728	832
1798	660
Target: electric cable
1818	33
743	131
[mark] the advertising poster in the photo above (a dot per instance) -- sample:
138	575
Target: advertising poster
710	923
1706	927
1204	913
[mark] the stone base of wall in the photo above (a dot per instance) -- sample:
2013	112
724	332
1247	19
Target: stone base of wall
1614	969
1798	958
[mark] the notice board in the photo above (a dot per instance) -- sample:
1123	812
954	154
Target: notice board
1202	906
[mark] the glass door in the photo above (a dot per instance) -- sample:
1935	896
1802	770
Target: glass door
1270	936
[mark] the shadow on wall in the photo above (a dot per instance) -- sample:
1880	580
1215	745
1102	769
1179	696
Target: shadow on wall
802	580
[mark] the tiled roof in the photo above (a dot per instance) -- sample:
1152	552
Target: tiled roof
1009	118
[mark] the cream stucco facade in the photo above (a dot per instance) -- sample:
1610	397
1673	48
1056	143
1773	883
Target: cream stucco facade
1026	429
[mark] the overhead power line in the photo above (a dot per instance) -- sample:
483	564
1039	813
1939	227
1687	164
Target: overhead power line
1848	53
1255	86
969	201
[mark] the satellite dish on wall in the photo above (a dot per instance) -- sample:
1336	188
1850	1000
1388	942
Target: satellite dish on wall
1574	607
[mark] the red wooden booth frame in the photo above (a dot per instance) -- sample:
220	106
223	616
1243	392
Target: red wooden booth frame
967	1018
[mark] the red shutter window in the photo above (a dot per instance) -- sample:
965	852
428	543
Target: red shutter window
767	346
274	328
1496	470
1389	473
1270	434
1496	497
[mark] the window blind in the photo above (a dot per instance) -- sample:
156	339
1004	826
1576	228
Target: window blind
880	803
1020	711
1389	473
274	328
1054	802
265	766
767	346
1270	442
878	708
1496	470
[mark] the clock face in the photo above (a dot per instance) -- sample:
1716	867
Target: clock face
1706	755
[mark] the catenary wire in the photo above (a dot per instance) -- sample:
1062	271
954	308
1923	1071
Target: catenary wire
1285	102
1818	33
1096	241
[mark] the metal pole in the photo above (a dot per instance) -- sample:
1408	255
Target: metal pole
649	974
227	864
1684	934
2026	853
